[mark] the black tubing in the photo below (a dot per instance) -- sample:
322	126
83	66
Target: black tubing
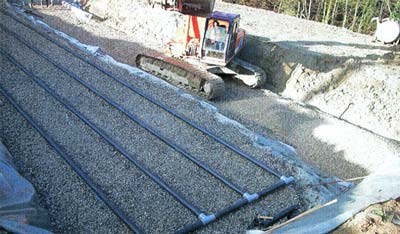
133	117
238	204
75	167
281	214
156	102
197	211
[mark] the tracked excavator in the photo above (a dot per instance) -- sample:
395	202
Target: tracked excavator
202	50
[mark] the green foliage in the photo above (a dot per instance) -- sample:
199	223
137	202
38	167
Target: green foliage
396	11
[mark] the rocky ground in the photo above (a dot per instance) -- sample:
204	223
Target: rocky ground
73	208
262	110
377	219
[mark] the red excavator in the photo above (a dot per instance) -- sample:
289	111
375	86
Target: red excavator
206	46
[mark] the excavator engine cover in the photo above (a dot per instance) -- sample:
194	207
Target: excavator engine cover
201	8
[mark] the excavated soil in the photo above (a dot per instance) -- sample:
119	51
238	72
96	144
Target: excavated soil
377	219
338	71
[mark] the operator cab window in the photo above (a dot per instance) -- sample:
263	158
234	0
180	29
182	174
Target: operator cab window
215	39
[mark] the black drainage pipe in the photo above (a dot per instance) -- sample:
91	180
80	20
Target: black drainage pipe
133	159
133	117
259	223
204	218
238	204
155	102
75	167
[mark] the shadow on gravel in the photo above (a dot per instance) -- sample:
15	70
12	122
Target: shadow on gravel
264	114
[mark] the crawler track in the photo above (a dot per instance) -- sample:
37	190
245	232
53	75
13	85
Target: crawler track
175	71
203	217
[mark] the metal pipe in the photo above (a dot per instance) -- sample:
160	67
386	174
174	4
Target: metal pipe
157	103
236	205
197	211
133	117
92	185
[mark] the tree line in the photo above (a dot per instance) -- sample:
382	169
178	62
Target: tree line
355	15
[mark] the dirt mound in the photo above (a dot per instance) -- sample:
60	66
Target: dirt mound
151	26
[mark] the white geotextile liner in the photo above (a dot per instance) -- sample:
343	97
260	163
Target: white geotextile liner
380	186
17	212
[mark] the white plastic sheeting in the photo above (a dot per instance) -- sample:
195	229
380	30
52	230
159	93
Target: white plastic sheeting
17	209
380	186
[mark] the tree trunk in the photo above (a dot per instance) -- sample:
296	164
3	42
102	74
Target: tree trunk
309	10
388	5
320	6
279	6
298	9
328	12
345	14
355	15
334	13
364	15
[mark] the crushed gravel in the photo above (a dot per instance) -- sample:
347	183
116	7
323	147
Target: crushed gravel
262	110
72	207
300	126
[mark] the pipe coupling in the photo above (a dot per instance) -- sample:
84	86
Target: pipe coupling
251	197
206	219
287	179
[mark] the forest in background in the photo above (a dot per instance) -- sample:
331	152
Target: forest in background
355	15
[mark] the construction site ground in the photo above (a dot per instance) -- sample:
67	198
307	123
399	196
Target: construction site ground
332	145
325	146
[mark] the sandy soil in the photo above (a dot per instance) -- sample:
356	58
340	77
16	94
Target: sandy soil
336	70
377	219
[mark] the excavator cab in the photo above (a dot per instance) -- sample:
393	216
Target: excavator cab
222	38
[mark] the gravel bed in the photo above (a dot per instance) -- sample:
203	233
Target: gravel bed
133	191
70	203
341	154
333	146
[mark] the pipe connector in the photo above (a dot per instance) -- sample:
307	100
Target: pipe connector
251	197
287	179
206	219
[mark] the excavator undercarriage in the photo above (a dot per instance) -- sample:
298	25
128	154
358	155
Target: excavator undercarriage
178	72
